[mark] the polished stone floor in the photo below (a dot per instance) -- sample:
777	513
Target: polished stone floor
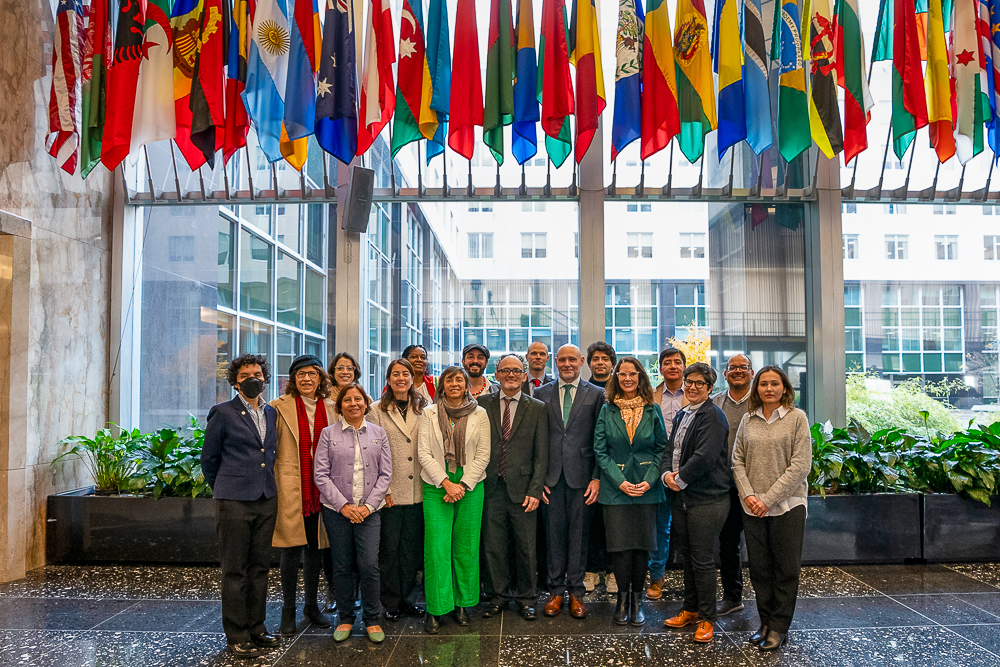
864	616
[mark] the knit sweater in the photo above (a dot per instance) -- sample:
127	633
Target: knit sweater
772	461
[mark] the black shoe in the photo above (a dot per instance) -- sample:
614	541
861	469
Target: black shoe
244	650
528	613
635	615
313	615
729	606
621	609
484	596
461	616
265	640
759	636
411	609
774	640
393	615
493	610
287	621
432	625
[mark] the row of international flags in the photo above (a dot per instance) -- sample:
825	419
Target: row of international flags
202	72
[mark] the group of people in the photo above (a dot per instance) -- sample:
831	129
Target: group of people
450	475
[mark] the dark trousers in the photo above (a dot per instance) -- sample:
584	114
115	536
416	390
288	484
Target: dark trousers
696	529
400	553
566	530
774	550
658	559
350	541
245	529
730	558
505	522
630	570
597	543
312	564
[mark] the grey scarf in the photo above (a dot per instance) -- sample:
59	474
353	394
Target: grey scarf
452	423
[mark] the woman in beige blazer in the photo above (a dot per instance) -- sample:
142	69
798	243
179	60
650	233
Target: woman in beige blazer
303	412
401	549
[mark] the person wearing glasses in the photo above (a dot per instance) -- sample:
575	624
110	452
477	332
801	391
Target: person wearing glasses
772	458
734	402
453	447
344	371
628	442
303	412
696	468
519	458
423	383
401	551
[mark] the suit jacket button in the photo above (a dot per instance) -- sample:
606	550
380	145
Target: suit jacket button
411	476
408	440
409	458
244	412
263	465
262	450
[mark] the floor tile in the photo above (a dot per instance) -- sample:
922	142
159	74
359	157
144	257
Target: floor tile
356	651
478	625
910	579
167	616
447	651
988	573
617	650
954	609
989	602
986	636
58	614
874	612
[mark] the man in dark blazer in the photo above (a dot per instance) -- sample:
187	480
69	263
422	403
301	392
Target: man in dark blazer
238	462
571	481
538	359
513	488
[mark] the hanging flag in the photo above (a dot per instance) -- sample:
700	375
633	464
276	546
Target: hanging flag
969	76
882	49
627	124
989	16
414	119
300	87
96	58
909	102
755	90
793	106
660	116
921	7
555	88
824	112
337	90
585	54
851	76
208	92
237	120
122	77
937	85
728	64
695	87
267	73
439	62
65	96
185	24
524	140
498	109
378	98
466	83
153	118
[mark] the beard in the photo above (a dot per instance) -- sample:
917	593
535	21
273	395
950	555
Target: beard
474	374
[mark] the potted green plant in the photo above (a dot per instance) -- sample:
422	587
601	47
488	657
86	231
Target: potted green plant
112	460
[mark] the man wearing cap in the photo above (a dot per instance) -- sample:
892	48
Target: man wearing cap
474	360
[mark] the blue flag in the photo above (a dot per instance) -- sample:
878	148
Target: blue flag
267	72
727	51
524	137
627	125
992	7
756	95
439	61
300	88
337	88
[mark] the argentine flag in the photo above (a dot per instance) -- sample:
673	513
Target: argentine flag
267	71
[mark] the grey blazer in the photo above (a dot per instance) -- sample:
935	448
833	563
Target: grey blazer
571	446
406	486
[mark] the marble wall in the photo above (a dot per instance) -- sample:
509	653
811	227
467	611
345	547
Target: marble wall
68	289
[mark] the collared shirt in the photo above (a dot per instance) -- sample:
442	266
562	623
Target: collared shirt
670	404
778	413
514	400
682	429
534	383
575	386
794	501
358	480
257	414
729	395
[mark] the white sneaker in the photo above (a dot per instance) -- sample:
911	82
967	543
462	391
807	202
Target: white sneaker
590	581
610	584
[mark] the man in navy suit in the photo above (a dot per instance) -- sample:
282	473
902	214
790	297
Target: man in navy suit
238	462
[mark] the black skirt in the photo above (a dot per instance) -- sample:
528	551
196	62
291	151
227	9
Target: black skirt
631	527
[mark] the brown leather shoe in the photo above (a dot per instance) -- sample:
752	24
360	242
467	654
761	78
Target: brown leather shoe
704	633
553	606
681	619
655	590
576	607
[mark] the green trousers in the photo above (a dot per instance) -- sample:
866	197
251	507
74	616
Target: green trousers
451	548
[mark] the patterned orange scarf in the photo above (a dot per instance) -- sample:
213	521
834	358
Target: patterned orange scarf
631	413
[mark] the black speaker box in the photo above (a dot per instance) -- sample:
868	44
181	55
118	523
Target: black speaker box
359	200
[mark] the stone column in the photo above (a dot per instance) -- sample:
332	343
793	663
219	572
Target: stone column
592	242
345	271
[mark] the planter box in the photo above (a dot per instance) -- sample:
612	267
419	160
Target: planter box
95	529
960	529
875	528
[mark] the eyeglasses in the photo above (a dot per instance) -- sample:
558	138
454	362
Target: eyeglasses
738	367
509	371
627	376
307	375
341	369
697	384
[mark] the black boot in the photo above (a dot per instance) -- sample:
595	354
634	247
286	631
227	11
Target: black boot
432	625
759	636
288	621
635	615
621	609
313	615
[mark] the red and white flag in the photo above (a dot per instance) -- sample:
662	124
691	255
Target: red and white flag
63	139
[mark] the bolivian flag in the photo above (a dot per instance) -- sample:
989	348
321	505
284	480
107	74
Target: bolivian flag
695	88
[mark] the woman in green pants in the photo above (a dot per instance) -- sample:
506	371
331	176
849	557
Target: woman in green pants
454	450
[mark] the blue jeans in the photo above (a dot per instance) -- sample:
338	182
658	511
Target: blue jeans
350	542
658	559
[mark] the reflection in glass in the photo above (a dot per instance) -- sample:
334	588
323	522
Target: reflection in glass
224	353
315	297
288	293
258	215
289	345
315	233
226	262
287	220
255	275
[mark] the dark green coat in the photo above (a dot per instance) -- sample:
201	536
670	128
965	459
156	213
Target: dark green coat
638	461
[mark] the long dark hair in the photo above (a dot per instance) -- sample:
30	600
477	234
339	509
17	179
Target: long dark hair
787	398
447	373
333	364
645	389
415	401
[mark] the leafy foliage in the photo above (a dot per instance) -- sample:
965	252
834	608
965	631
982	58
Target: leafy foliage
112	459
851	460
968	463
172	462
696	345
901	408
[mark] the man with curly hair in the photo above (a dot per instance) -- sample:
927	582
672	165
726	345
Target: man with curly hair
238	462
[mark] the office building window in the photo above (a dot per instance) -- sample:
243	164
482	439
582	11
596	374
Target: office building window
640	244
690	309
854	329
922	329
576	245
946	247
849	208
693	246
894	209
944	209
850	246
533	245
992	247
480	245
896	246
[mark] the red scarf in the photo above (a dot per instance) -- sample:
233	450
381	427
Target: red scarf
307	441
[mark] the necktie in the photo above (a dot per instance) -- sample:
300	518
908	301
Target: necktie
567	402
536	382
504	437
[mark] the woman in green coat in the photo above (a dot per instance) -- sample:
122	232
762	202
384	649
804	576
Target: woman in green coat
628	442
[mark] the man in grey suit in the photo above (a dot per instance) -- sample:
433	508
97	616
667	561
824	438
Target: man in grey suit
571	482
513	488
